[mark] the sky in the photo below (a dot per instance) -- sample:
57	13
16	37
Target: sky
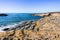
29	6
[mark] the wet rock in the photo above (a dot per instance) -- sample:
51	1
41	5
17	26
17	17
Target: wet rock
25	25
9	29
5	29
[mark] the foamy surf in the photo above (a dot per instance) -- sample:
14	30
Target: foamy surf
10	26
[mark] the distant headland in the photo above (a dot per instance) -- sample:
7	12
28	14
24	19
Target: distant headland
2	14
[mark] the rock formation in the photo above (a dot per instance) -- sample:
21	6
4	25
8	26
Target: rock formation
47	28
2	14
48	14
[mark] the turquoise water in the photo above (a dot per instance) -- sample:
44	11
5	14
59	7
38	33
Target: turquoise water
17	17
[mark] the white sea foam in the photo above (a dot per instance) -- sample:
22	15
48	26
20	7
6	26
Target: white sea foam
10	26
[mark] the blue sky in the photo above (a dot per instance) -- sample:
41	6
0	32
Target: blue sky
29	6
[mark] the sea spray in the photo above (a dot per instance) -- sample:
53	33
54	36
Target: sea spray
10	26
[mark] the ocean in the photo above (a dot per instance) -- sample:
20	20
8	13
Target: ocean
15	18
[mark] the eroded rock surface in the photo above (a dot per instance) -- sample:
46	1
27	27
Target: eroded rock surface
47	28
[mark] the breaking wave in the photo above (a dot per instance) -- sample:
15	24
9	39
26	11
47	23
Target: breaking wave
10	26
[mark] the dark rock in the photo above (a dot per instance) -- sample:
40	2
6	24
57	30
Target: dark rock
33	27
28	27
24	25
18	39
5	39
6	29
28	39
47	15
11	38
3	15
37	29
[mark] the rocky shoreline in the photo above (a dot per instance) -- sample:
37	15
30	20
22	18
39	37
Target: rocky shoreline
26	25
47	14
47	28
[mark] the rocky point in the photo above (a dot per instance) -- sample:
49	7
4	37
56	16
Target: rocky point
47	28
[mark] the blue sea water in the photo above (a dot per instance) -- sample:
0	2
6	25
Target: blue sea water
16	17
